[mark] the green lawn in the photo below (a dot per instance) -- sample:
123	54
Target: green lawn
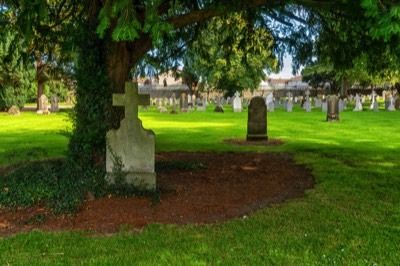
351	217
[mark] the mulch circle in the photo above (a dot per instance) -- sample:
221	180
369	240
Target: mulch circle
231	185
243	142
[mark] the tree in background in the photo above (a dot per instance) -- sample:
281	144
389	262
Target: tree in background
16	74
42	25
122	32
230	54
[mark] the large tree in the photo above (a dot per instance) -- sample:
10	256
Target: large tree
231	54
16	74
114	35
45	26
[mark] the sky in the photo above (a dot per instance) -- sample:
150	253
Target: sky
286	70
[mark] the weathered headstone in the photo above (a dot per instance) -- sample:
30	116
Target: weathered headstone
201	106
173	101
324	107
257	120
271	107
307	103
54	104
358	106
392	103
333	108
269	99
277	103
131	144
237	103
13	110
384	95
289	102
373	96
375	107
183	102
43	105
317	103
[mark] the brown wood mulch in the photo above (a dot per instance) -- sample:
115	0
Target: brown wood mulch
231	185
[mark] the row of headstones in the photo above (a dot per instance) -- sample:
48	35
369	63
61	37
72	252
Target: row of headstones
44	105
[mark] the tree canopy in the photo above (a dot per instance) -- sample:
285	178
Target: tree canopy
114	36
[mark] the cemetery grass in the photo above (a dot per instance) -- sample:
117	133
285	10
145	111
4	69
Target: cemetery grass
351	216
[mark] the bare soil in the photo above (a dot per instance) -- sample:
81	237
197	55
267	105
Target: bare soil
231	185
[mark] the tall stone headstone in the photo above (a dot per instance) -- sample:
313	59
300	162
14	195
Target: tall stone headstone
43	105
384	95
183	102
271	107
289	102
54	104
132	144
257	120
237	103
392	100
358	106
373	96
269	99
173	102
277	103
333	108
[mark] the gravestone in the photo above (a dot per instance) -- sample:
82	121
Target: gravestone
392	100
317	103
333	108
307	103
173	102
376	107
183	102
201	106
324	107
131	143
373	96
358	106
257	120
237	103
341	105
163	109
384	95
277	103
13	110
289	103
269	99
43	105
271	107
54	104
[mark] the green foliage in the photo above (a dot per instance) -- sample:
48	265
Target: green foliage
93	107
16	75
350	217
230	55
128	26
57	185
384	17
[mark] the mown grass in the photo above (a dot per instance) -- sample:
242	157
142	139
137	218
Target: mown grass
351	217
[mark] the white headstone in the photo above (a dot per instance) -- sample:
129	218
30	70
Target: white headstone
392	106
269	99
43	105
358	104
237	103
131	143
